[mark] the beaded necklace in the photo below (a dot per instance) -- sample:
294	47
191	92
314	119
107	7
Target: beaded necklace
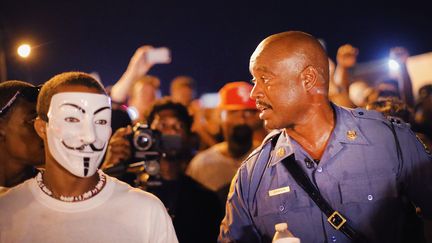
86	195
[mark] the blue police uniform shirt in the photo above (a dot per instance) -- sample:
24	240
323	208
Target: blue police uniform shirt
359	174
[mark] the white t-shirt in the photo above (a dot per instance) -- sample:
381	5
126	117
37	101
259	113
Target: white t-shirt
213	169
118	213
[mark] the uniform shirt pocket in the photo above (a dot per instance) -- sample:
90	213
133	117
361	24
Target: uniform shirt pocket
293	205
368	189
294	199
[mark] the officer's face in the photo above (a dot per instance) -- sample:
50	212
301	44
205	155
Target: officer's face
278	92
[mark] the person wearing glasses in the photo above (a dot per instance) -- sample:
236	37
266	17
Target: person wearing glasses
72	200
21	149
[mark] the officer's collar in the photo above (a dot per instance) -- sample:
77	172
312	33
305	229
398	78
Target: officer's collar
346	131
282	149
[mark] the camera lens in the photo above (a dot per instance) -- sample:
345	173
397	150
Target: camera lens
142	141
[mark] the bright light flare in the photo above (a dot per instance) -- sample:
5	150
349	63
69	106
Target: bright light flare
393	65
133	112
24	50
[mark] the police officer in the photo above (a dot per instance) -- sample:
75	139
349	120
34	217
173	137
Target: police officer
364	166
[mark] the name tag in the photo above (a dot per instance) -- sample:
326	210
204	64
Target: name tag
279	191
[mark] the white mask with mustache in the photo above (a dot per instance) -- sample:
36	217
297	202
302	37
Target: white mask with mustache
78	130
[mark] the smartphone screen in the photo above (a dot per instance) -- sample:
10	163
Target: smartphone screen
159	56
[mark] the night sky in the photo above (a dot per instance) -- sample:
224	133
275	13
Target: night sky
210	40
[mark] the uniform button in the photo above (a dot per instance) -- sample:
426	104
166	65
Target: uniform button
361	113
281	208
319	169
333	238
370	197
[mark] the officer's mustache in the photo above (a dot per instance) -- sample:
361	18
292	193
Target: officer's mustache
263	104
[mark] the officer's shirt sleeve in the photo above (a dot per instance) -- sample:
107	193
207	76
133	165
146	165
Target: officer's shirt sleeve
237	225
416	171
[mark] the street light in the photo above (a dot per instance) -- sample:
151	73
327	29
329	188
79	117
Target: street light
24	50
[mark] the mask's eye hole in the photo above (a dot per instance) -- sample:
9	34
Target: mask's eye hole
72	119
101	122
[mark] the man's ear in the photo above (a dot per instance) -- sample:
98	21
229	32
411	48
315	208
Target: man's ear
40	127
309	77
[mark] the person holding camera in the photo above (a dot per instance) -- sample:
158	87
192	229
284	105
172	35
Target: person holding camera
72	200
195	210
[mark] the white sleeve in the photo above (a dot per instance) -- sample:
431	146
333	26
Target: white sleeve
163	229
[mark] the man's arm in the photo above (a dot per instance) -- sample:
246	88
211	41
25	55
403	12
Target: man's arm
417	173
137	68
401	55
118	148
346	59
237	225
417	169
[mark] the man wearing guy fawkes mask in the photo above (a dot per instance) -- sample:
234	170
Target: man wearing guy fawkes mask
71	198
216	166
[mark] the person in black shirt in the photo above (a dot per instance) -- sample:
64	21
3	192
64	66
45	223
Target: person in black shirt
195	210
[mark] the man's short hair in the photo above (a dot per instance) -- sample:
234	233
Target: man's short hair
9	88
50	88
180	111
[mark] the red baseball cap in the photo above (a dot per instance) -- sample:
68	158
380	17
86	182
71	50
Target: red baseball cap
235	96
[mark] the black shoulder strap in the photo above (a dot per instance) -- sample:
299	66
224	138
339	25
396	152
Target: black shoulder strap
334	218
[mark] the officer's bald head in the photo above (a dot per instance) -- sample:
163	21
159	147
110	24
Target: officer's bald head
304	49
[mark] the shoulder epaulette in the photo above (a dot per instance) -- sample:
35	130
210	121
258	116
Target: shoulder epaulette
375	115
367	114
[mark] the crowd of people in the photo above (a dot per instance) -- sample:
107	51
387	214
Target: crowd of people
337	159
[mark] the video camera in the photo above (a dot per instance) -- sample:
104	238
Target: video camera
149	146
